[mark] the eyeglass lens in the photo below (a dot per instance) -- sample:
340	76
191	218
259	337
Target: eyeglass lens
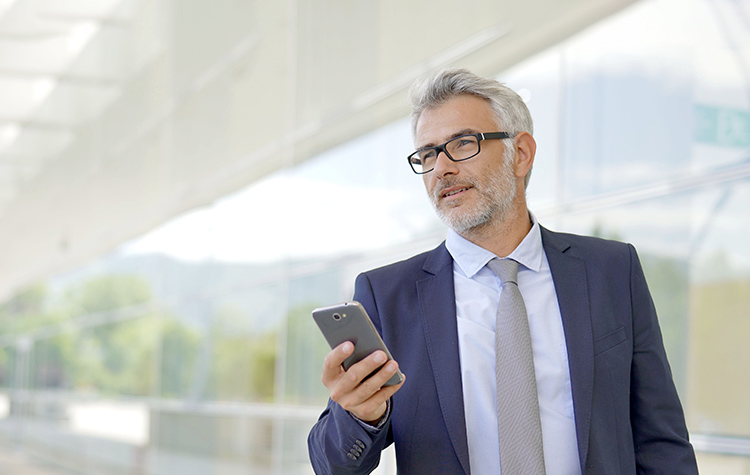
460	148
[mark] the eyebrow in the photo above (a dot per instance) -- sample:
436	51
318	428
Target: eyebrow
450	137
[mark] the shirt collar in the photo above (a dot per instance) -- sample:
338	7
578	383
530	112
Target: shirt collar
472	258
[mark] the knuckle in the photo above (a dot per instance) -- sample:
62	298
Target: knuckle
353	375
370	386
328	361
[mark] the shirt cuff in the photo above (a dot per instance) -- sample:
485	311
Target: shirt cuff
381	422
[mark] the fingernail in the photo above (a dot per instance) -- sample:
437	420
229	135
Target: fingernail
380	358
391	366
347	347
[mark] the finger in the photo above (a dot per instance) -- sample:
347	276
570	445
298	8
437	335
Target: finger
334	359
373	408
375	383
386	392
362	369
351	389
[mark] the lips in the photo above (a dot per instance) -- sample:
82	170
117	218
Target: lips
454	190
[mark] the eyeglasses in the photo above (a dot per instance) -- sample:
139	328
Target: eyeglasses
456	149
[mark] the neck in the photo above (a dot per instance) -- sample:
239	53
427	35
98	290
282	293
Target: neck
502	236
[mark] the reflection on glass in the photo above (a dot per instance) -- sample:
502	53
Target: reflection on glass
192	350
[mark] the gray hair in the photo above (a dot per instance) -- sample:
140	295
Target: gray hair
440	87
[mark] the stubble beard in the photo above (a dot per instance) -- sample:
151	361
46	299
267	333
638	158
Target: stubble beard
496	193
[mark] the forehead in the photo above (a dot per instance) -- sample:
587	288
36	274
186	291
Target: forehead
462	113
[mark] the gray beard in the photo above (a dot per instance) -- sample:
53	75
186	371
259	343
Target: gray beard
496	200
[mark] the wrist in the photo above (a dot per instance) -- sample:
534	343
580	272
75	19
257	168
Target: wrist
376	423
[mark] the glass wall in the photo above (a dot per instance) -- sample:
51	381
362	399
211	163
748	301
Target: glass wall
191	349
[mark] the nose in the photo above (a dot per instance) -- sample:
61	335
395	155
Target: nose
444	165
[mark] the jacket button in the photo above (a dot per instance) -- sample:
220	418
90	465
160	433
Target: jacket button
351	456
360	443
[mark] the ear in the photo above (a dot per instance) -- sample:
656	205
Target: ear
525	151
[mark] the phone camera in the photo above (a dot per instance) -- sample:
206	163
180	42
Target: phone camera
336	317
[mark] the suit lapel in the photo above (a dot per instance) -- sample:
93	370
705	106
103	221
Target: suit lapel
438	311
571	287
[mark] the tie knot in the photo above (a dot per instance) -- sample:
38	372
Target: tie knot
505	269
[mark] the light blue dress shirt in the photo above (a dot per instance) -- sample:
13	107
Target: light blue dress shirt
477	295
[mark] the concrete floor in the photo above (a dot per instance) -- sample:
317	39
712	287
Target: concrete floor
12	463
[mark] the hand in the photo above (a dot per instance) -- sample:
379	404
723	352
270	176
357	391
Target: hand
366	400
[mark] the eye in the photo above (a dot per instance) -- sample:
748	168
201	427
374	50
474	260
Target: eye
427	154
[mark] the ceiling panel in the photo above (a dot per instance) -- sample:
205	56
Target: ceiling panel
116	115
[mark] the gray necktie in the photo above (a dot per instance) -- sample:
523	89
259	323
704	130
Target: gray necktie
518	420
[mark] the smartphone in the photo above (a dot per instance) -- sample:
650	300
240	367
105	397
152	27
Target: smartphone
349	321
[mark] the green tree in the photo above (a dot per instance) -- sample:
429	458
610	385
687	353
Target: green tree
122	354
306	349
179	349
23	316
243	360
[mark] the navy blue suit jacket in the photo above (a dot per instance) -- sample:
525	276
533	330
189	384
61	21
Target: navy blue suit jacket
627	414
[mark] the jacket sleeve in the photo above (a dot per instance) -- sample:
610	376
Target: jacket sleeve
660	435
338	443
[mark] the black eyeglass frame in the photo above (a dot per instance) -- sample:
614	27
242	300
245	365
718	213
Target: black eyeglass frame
441	148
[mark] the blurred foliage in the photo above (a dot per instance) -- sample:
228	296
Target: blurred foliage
27	310
306	349
720	380
110	335
117	354
179	348
669	285
243	360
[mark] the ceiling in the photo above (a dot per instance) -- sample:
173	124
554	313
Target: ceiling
40	43
116	115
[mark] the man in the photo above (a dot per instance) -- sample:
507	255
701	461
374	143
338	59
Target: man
567	376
